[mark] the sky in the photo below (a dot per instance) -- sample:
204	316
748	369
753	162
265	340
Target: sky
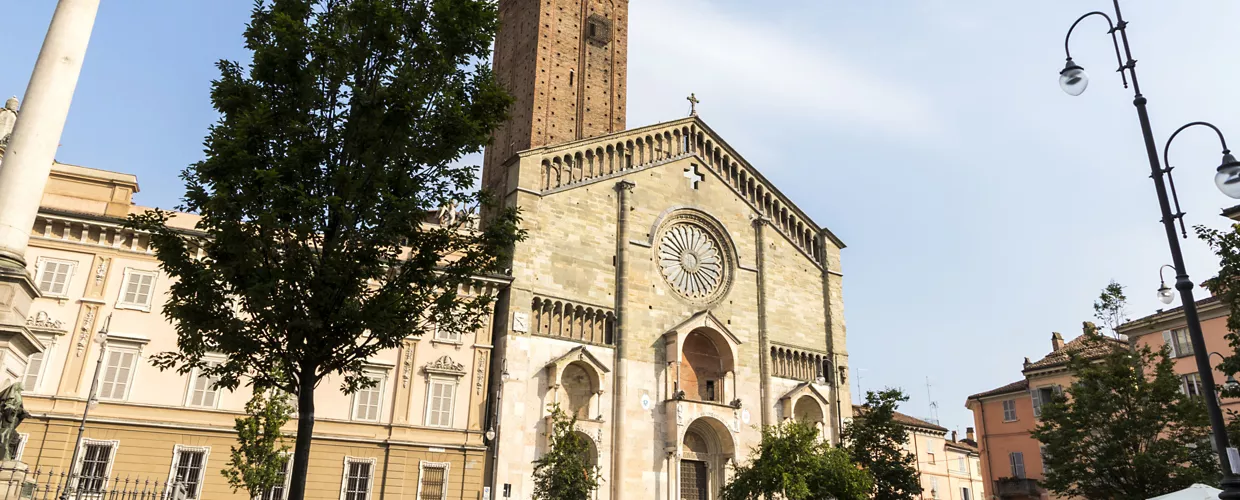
982	207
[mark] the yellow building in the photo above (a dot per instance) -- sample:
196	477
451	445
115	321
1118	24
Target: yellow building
418	432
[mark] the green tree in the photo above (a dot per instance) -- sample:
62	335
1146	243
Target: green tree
1124	429
792	462
258	460
1110	308
1226	245
875	441
565	471
310	253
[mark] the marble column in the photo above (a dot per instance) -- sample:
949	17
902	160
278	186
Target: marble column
27	161
32	147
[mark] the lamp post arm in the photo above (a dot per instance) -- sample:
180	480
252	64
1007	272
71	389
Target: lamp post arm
1161	279
1167	147
1114	41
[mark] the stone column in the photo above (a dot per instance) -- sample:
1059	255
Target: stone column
27	161
621	377
32	147
764	347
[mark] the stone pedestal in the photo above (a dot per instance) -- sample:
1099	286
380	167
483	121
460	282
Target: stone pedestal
13	482
17	344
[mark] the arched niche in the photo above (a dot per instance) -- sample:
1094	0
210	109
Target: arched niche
806	404
701	356
576	381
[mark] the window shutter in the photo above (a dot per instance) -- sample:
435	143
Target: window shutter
1167	338
1037	402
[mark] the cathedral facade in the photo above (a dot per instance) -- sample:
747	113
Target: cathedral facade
667	294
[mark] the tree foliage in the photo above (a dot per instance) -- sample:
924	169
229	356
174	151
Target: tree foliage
259	458
792	462
310	253
875	441
1226	245
1110	308
564	472
1124	429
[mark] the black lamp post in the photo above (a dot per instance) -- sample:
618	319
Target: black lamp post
1074	80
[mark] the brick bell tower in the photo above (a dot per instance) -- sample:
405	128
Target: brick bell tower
564	62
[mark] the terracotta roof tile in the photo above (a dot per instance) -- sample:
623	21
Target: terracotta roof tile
1017	386
905	419
961	445
1079	345
1173	310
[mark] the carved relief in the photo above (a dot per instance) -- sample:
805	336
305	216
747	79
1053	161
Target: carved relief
482	366
407	367
42	320
445	365
88	325
691	261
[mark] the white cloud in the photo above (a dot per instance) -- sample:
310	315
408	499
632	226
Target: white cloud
690	45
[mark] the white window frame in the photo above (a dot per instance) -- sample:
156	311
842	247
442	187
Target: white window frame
288	476
193	379
150	297
23	437
1005	410
447	469
176	457
443	336
965	494
1174	343
114	346
380	378
431	380
107	473
39	270
344	476
48	343
934	488
1195	380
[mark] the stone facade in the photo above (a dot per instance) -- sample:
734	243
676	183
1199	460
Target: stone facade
666	290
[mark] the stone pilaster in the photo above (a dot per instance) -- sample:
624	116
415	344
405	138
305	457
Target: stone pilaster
764	348
623	188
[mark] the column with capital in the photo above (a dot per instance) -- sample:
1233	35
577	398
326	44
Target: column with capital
27	161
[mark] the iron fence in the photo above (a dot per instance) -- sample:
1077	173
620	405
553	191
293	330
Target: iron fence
52	485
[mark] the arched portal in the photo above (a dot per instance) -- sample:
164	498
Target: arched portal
706	448
705	363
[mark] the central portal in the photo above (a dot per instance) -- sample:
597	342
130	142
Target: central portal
693	480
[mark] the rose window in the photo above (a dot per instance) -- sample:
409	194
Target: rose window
691	261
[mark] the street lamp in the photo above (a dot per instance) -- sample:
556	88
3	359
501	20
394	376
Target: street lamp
1231	382
1074	80
101	338
1165	295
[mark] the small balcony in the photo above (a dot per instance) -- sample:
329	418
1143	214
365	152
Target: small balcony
1017	487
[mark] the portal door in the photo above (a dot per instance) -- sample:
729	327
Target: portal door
694	480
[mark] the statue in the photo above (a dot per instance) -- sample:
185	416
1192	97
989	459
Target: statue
11	415
8	118
448	213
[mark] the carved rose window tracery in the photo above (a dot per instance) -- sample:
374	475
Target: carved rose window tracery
691	261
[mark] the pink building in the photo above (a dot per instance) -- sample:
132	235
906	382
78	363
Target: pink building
1168	328
1011	458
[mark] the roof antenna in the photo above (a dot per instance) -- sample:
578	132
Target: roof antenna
934	406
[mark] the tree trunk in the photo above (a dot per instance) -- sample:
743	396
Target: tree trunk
305	431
